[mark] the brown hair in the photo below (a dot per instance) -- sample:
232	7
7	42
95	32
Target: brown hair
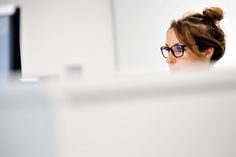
202	31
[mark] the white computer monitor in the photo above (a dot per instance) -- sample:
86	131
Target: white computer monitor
153	115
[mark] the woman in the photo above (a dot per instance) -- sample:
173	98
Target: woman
196	40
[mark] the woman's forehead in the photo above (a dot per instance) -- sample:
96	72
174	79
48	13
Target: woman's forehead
171	38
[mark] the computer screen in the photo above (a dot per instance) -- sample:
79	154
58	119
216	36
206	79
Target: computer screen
10	60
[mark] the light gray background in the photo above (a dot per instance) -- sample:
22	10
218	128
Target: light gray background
103	37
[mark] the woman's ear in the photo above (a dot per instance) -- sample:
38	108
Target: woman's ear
208	53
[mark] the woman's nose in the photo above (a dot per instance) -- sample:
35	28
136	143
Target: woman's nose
170	58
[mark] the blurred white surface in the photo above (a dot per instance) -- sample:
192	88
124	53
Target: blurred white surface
25	121
167	115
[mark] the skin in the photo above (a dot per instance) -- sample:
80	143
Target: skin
190	59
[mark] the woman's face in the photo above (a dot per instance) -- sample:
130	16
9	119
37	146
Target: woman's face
189	58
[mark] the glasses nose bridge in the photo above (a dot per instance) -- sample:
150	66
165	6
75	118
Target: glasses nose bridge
172	52
170	57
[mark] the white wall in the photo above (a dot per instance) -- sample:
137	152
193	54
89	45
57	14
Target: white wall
141	26
57	33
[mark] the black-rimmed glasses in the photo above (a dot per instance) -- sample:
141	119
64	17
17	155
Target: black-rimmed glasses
176	50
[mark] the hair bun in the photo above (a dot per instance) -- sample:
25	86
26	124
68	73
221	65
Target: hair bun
214	14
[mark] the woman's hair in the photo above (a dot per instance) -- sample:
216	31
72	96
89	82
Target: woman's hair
202	31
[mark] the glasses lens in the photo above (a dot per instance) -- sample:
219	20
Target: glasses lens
165	50
178	50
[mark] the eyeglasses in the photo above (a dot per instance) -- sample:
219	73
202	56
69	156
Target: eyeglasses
177	50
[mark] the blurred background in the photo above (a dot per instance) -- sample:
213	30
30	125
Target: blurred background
103	37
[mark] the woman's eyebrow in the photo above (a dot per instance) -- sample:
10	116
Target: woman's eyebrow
177	44
174	44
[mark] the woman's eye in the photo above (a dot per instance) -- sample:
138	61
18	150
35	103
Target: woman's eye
179	48
167	48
